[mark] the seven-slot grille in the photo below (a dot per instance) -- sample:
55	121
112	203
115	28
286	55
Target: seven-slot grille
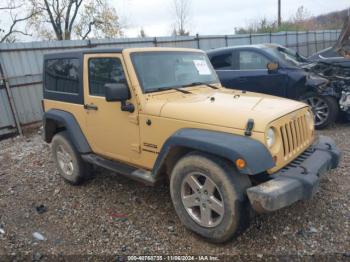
295	135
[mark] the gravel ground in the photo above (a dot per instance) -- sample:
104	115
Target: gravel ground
112	215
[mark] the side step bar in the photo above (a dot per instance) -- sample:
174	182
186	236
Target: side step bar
140	175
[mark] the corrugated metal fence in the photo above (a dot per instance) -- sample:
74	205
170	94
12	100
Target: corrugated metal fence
21	64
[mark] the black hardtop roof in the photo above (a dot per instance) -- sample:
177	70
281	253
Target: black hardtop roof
81	52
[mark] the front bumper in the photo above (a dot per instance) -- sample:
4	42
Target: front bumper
297	181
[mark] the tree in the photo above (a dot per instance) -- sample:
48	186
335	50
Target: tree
69	19
300	21
142	33
13	12
181	10
302	14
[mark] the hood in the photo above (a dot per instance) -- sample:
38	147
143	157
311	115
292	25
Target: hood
222	107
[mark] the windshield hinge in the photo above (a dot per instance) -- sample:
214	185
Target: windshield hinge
136	148
134	119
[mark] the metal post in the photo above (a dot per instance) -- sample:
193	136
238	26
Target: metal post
198	42
286	39
11	101
226	40
324	41
250	38
270	37
307	43
297	36
316	40
155	41
279	20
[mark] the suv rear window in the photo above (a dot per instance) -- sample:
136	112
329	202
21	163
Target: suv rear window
62	75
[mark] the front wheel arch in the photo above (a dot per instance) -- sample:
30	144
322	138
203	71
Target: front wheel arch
226	145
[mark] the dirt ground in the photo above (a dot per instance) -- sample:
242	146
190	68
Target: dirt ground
111	215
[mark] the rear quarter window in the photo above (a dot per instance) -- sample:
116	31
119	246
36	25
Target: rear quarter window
63	79
62	75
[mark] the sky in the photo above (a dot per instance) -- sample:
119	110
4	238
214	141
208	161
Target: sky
210	17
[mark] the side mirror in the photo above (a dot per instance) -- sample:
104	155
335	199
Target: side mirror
272	67
117	92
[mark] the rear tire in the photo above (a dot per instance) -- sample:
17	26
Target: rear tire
68	160
209	196
325	109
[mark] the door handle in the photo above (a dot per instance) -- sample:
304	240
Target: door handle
90	107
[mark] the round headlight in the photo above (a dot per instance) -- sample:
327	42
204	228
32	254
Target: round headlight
310	120
270	137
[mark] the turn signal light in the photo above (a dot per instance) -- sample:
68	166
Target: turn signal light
240	163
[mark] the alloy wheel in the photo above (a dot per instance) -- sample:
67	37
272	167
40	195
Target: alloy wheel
320	109
65	160
202	199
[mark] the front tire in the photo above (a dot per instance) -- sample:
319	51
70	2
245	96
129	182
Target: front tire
68	160
325	109
209	196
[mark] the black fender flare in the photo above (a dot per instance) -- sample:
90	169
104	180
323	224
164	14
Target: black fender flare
54	119
229	146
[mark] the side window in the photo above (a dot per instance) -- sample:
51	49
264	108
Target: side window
62	75
222	62
103	71
249	60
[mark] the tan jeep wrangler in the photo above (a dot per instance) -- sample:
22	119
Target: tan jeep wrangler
154	113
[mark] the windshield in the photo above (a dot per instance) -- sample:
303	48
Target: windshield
288	55
164	70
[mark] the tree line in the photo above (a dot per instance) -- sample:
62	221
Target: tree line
84	19
73	19
302	20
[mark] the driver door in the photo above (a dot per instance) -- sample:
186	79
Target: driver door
110	131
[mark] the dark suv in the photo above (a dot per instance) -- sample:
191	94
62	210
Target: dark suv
275	70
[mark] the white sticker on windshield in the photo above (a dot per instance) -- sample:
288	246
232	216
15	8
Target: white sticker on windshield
202	67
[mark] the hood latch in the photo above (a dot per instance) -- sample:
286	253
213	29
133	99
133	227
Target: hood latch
249	127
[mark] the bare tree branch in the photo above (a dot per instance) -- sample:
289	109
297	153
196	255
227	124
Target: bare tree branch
89	30
181	11
12	29
9	7
66	19
67	22
52	20
77	6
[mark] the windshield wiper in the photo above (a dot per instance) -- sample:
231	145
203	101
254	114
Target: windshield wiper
201	83
171	88
182	91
